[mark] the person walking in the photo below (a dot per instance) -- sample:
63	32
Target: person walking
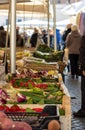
65	33
81	112
73	44
64	36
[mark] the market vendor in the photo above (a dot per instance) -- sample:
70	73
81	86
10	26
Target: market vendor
3	37
19	39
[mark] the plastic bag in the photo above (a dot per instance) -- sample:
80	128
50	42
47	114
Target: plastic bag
66	55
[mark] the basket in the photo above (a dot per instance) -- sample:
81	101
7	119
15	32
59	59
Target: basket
38	120
20	116
62	66
39	64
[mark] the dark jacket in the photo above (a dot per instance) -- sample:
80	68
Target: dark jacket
66	32
33	39
82	52
3	38
45	38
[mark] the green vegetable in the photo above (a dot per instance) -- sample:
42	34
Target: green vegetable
29	110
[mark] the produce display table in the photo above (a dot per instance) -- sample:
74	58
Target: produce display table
65	120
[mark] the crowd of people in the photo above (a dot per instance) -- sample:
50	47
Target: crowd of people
75	42
46	35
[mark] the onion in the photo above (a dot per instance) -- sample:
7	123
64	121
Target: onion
21	98
3	96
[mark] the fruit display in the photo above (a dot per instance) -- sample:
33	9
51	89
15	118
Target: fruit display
20	53
36	84
33	93
34	87
38	76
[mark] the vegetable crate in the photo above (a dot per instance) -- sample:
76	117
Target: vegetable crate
38	120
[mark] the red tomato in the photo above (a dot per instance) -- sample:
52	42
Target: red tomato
2	107
37	109
7	108
14	108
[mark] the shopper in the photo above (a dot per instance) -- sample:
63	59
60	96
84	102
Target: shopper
64	36
73	44
45	36
3	34
19	39
66	32
81	112
53	125
34	37
51	37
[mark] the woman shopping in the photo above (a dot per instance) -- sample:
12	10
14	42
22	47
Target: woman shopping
73	44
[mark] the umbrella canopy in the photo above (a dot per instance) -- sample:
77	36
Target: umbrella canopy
27	5
74	9
31	7
7	1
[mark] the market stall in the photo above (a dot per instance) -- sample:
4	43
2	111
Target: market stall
38	83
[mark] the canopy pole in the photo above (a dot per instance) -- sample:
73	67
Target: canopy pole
7	38
13	37
54	27
48	25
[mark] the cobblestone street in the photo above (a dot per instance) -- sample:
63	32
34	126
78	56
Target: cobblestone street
73	86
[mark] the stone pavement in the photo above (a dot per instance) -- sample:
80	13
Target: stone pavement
73	86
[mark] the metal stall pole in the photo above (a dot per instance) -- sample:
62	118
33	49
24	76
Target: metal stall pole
13	37
48	24
54	23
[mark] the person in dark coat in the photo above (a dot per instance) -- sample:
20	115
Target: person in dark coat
64	36
66	32
34	38
81	112
19	39
3	34
45	36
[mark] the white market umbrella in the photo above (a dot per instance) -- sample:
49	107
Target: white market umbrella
73	9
